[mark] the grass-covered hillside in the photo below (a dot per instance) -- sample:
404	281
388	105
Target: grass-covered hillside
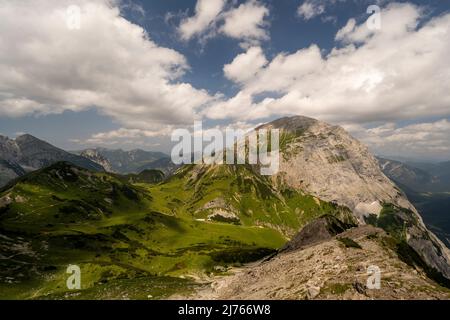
134	239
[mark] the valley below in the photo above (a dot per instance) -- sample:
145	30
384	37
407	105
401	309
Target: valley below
435	210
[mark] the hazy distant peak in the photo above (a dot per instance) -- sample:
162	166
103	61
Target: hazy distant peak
125	162
31	153
26	136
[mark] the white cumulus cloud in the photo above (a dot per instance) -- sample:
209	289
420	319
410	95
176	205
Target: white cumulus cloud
206	13
428	140
245	66
401	71
108	63
246	22
310	9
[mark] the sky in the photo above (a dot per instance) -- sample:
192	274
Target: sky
125	74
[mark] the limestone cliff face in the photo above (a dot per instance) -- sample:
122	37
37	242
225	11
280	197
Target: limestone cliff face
327	162
95	156
9	170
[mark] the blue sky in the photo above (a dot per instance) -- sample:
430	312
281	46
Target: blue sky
288	33
90	108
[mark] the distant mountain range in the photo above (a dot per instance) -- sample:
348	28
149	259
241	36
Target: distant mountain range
427	186
126	162
440	170
27	153
419	177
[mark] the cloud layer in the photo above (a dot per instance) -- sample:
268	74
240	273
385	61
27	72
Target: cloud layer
428	141
246	22
206	14
108	63
310	9
401	71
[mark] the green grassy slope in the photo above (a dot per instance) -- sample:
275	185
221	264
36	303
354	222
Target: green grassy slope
199	191
147	176
140	240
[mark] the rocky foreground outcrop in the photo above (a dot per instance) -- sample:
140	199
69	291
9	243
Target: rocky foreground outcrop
319	230
337	268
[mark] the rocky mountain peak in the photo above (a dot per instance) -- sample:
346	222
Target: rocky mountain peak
96	156
28	153
27	138
291	124
29	144
8	148
325	161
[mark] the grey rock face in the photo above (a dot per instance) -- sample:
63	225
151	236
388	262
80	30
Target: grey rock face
95	156
325	161
27	153
319	230
35	154
9	170
9	150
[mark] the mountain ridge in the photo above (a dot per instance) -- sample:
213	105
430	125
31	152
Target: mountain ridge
428	178
128	162
30	153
